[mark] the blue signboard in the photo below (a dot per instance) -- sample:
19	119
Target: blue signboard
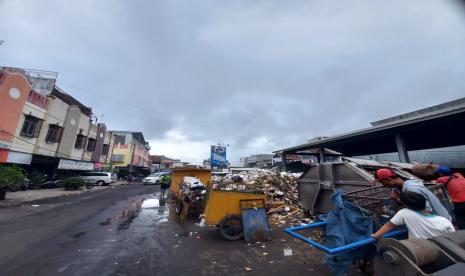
218	156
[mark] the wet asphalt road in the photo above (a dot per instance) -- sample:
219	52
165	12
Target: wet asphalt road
130	230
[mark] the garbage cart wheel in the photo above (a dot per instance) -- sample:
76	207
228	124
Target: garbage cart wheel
178	208
231	228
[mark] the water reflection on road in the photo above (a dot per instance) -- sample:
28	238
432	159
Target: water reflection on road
153	211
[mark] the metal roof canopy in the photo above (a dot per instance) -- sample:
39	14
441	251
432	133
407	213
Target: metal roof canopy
434	127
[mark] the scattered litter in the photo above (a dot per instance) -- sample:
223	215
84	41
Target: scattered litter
265	253
287	252
201	223
213	262
271	262
190	234
137	262
283	240
248	268
35	205
116	263
249	244
176	235
263	246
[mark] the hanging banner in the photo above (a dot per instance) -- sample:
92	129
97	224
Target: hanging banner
218	156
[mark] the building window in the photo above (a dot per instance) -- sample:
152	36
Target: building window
120	139
80	141
91	144
105	149
117	158
31	126
54	134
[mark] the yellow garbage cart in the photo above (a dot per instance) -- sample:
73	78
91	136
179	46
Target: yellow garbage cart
223	209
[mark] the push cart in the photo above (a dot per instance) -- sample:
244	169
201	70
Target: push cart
223	209
374	202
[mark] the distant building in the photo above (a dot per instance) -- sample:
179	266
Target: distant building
130	153
43	128
258	161
206	164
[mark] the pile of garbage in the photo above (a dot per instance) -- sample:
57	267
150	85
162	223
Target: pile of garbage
278	186
281	189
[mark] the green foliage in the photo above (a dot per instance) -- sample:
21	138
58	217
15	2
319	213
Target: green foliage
36	179
74	183
11	177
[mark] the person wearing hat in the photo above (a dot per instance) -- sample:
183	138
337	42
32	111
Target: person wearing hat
390	179
455	185
420	223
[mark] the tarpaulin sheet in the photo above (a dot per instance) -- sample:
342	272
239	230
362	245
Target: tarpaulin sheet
346	224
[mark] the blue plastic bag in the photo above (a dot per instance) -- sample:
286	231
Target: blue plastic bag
346	224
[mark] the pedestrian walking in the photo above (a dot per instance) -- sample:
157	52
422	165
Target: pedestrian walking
455	186
165	184
390	179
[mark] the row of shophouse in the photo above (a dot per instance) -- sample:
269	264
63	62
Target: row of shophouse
44	129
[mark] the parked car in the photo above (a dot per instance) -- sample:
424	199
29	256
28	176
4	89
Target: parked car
154	178
99	178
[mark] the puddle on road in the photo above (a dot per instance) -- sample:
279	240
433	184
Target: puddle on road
150	203
150	211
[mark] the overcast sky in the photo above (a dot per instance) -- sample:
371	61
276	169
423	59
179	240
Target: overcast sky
257	75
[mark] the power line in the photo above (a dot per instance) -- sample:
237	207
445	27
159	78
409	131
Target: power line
148	110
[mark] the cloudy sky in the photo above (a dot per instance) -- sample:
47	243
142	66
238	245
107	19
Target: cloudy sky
257	75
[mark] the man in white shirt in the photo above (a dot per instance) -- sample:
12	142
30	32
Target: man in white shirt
420	222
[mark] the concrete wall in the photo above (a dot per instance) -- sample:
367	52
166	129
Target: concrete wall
83	128
14	91
125	150
108	140
97	153
453	157
22	143
56	115
68	138
93	129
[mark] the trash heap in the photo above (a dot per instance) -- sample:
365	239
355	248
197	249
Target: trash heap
281	188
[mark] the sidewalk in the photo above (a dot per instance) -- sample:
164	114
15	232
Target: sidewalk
23	197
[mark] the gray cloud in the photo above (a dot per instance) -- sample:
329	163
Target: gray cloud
257	75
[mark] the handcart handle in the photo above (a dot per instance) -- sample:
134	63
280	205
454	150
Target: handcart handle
340	249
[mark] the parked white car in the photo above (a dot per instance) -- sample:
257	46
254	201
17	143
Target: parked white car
154	178
99	178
